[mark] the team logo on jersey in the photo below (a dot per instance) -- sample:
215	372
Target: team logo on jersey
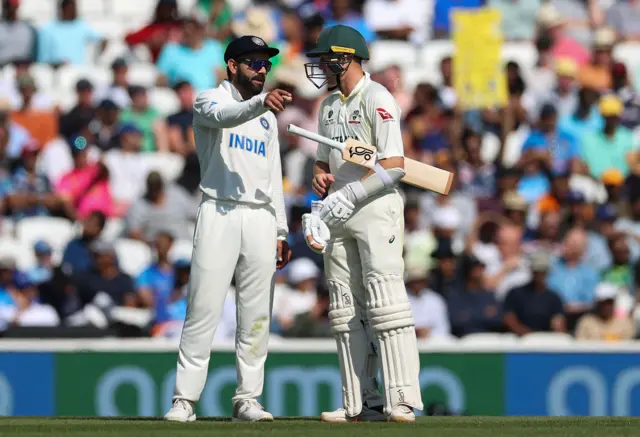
355	117
328	116
237	141
384	114
264	123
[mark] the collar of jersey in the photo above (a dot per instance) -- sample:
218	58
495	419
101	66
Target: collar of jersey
227	85
356	90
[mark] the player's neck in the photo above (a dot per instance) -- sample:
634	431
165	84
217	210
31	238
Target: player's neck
349	81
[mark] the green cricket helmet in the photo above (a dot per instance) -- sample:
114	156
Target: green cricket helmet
336	47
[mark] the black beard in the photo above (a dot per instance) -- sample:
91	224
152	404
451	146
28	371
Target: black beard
245	82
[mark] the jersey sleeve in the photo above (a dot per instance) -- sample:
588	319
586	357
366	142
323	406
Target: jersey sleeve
384	114
277	190
322	153
212	112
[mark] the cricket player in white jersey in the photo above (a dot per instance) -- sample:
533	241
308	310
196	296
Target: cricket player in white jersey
360	226
241	228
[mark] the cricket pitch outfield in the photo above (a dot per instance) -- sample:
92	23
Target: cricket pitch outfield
311	427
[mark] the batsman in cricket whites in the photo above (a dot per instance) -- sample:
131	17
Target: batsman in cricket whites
359	228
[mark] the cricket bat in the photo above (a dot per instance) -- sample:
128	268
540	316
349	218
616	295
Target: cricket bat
418	174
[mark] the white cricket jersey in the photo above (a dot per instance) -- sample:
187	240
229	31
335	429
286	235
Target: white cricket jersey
238	150
369	114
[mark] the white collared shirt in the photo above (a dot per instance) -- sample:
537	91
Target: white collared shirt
369	114
238	150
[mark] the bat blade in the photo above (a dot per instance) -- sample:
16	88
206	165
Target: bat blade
426	176
359	153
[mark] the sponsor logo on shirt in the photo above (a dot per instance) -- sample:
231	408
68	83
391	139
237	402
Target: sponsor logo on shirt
384	114
355	117
237	141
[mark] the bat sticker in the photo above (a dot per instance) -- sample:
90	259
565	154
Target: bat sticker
360	151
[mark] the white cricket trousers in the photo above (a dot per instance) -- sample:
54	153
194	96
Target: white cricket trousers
229	239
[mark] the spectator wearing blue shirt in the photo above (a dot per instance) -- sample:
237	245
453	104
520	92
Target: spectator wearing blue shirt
550	138
586	117
196	60
65	40
156	284
7	286
571	278
342	12
44	263
77	255
442	14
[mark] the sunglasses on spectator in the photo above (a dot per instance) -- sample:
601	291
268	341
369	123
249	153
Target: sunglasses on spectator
257	64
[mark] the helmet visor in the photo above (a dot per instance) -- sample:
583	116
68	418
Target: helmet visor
328	66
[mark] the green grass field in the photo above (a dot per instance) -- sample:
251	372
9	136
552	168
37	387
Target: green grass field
425	427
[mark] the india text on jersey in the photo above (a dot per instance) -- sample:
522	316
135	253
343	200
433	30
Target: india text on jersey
238	141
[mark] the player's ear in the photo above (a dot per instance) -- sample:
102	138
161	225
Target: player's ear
232	68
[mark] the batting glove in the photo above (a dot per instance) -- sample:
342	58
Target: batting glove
336	209
316	232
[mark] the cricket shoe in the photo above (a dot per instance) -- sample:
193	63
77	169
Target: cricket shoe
250	411
182	410
367	415
401	414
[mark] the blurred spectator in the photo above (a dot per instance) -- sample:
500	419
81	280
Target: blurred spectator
128	168
313	23
444	277
77	255
73	121
598	72
147	119
610	147
564	96
196	59
343	12
18	38
624	17
315	322
105	278
26	310
533	307
621	272
585	118
31	194
602	323
189	180
623	88
179	124
428	307
163	207
419	242
472	307
571	278
65	39
291	35
546	237
86	186
581	16
563	44
446	221
300	297
106	125
598	256
442	14
515	206
61	293
542	77
118	90
476	178
165	27
39	120
220	15
399	19
391	78
518	18
512	269
549	142
12	136
155	285
44	263
7	275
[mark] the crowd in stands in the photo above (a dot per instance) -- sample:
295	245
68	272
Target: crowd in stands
99	177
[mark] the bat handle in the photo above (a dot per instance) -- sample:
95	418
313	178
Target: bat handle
315	137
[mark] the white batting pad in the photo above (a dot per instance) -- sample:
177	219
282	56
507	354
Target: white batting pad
392	322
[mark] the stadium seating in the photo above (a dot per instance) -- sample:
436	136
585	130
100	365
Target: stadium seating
182	249
489	339
546	339
20	252
133	256
169	165
55	231
164	100
113	229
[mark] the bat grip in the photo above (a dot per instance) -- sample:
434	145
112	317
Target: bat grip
315	137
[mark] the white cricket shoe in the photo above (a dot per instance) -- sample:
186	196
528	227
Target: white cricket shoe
182	410
250	411
340	416
401	413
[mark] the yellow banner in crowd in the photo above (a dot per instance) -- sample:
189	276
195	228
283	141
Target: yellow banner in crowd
478	76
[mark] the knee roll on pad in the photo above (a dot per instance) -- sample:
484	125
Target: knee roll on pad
352	343
392	322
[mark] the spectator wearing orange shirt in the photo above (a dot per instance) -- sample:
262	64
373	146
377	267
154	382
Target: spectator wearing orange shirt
41	124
